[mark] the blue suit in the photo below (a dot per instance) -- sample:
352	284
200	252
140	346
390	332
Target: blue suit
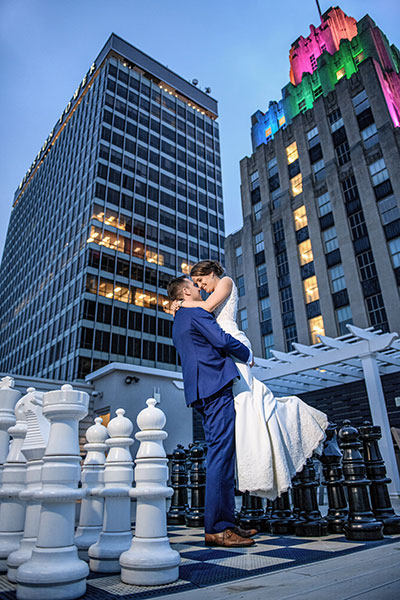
208	372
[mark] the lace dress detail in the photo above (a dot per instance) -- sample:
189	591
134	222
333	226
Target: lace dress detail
274	436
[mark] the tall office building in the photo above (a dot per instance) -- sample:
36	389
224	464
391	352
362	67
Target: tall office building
320	243
124	194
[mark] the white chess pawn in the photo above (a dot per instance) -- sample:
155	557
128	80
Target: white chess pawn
54	570
116	534
91	517
12	508
8	399
150	559
33	448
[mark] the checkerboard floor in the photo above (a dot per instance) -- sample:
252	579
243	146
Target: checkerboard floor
202	566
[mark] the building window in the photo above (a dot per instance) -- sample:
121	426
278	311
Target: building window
335	120
257	208
265	309
311	289
370	136
324	204
240	286
344	316
292	153
268	341
330	239
360	102
259	242
319	170
366	265
341	73
394	247
313	62
336	276
286	299
316	326
282	121
296	184
272	167
305	252
300	217
357	225
239	255
343	152
262	277
254	180
376	310
244	324
378	172
359	58
290	337
388	210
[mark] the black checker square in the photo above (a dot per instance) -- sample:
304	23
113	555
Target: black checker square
203	566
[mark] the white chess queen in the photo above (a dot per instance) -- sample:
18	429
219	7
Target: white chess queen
274	436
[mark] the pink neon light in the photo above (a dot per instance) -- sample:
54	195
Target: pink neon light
327	36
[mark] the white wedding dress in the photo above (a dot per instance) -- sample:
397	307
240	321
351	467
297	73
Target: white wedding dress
274	436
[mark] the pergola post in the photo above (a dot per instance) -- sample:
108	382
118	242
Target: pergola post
379	414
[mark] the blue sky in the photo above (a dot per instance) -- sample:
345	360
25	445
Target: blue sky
238	48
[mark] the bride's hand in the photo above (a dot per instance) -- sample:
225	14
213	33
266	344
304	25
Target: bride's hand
252	363
175	306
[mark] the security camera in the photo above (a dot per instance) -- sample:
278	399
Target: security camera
97	394
131	378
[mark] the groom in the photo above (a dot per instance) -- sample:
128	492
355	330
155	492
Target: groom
208	374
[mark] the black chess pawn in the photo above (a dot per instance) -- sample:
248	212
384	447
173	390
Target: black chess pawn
179	481
376	473
295	496
252	515
195	514
361	523
281	520
309	522
331	459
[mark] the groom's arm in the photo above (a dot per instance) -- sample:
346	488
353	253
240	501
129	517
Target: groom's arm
206	324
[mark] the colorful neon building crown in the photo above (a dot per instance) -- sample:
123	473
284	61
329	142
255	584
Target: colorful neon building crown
332	51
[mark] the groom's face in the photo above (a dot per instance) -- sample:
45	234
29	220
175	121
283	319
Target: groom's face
191	291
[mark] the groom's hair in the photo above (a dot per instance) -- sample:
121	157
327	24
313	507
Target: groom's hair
175	287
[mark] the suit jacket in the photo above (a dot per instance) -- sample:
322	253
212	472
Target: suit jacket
204	350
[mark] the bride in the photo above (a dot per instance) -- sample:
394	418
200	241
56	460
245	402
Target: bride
274	436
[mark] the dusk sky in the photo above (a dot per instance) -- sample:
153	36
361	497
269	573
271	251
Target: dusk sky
238	48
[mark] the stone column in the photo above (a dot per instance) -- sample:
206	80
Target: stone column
92	507
150	559
54	571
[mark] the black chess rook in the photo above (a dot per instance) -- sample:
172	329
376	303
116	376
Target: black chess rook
179	481
195	513
309	522
331	459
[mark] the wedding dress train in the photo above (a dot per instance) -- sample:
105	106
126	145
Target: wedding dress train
274	436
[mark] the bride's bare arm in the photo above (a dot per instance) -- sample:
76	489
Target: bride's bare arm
221	292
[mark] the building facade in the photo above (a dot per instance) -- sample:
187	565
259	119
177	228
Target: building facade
320	243
124	194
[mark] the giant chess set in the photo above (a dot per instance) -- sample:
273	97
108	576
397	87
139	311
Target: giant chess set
114	552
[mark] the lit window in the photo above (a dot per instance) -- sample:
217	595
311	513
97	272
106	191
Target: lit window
292	153
341	73
324	204
268	132
265	309
259	242
282	121
316	326
268	341
359	58
305	252
296	184
337	278
344	316
257	210
311	289
330	239
243	320
300	217
378	172
239	255
394	247
105	419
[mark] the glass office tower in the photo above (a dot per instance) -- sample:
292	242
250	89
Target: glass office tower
124	194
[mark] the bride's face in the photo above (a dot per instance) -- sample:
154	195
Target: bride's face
207	283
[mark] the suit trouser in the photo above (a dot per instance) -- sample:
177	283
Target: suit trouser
218	416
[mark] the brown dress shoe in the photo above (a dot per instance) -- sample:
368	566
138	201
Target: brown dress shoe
227	539
245	533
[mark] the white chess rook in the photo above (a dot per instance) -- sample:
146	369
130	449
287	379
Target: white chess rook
54	572
33	448
12	508
116	534
150	559
91	517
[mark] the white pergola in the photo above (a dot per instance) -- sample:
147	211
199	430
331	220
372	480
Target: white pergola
362	354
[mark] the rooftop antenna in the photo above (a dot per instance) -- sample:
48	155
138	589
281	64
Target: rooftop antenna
319	9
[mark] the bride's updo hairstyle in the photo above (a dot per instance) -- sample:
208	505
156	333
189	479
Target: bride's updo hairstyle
206	267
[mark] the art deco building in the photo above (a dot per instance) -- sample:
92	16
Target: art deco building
320	243
124	194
